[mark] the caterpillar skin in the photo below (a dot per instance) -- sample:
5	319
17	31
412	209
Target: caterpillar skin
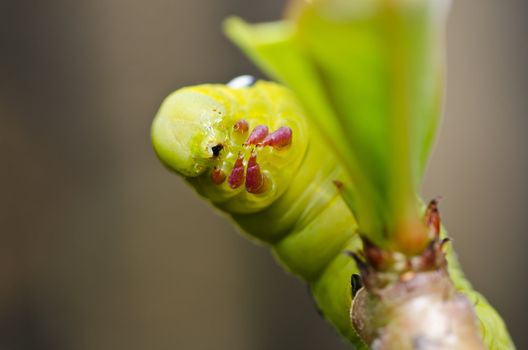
251	152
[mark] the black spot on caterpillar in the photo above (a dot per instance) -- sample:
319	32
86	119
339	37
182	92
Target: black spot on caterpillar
216	150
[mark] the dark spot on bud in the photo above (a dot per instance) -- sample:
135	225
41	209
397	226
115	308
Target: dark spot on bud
339	185
356	283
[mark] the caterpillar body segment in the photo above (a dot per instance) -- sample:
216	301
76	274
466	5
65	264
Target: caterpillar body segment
252	154
202	132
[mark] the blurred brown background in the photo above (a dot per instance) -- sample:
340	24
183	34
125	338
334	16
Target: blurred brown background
102	248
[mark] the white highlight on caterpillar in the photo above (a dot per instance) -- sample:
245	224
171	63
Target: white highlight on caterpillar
241	81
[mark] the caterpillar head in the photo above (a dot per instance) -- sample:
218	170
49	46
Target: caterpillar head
238	147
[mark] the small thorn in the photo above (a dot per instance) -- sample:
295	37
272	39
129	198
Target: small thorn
428	258
362	266
241	126
217	176
444	242
281	137
236	178
257	135
432	217
255	181
373	254
356	283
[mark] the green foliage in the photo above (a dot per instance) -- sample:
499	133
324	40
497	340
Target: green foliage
370	74
301	217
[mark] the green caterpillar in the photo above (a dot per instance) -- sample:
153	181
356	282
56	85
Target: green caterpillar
252	154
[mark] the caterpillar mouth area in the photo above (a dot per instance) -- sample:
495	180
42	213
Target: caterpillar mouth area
184	121
239	161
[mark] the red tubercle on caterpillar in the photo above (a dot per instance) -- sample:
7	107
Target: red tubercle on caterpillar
236	178
257	135
279	138
241	126
255	181
217	176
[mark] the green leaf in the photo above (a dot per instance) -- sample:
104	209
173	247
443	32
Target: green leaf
370	74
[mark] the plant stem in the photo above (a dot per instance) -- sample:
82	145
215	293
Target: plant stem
410	302
424	312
